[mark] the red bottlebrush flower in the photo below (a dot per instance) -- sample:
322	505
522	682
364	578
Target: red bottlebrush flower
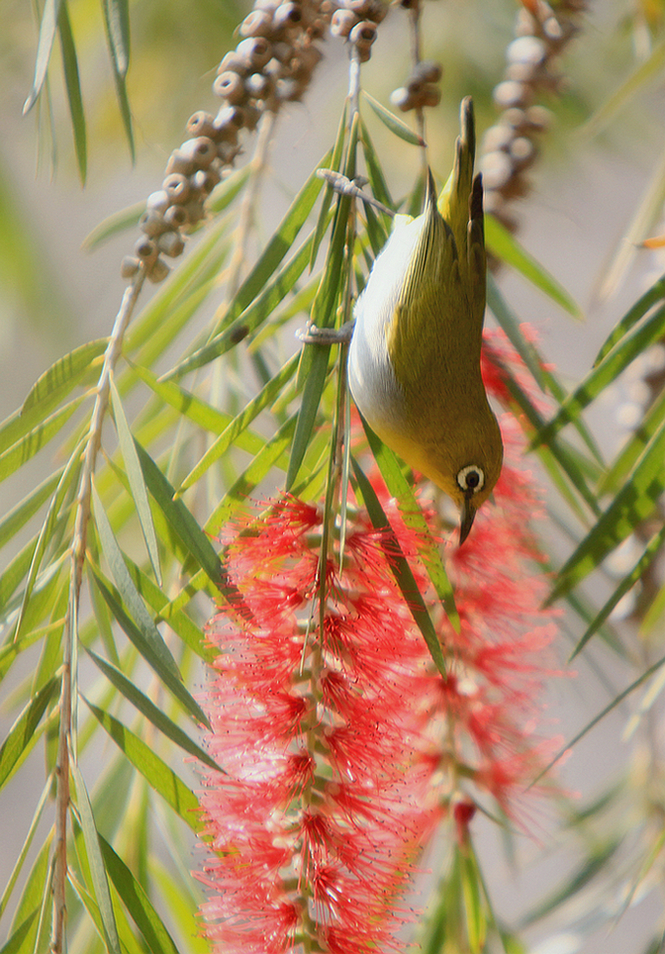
342	745
321	814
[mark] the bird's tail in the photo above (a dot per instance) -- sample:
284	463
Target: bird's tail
461	205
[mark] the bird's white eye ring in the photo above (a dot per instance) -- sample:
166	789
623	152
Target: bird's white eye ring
471	479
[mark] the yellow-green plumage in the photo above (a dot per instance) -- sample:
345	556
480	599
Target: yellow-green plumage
414	359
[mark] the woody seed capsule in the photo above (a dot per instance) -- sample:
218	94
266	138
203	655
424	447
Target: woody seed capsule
177	187
158	271
146	250
229	86
256	23
256	50
176	217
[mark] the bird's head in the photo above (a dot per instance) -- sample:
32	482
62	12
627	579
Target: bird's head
467	465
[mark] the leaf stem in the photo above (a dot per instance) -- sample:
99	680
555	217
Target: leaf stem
66	748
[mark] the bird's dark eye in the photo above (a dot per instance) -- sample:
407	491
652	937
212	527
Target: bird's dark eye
471	479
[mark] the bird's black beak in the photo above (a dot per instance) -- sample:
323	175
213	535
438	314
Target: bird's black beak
466	520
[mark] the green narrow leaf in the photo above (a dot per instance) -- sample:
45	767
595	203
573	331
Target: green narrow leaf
116	19
238	493
47	28
97	868
116	23
47	532
182	522
180	295
476	920
650	298
252	317
558	457
335	164
27	508
15	572
647	69
634	503
374	169
413	517
152	647
137	902
652	550
179	622
63	376
278	247
309	408
231	325
145	647
18	866
605	372
21	733
629	453
240	423
73	86
136	481
157	773
22	939
36	438
505	246
113	225
597	861
37	885
545	379
314	360
152	712
395	125
401	571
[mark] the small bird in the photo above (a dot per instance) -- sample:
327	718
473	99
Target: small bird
414	357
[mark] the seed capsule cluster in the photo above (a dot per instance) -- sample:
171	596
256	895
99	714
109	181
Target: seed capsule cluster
357	21
510	147
272	64
420	89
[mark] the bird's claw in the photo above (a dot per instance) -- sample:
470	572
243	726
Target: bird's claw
326	336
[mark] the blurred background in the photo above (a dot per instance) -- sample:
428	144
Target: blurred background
599	169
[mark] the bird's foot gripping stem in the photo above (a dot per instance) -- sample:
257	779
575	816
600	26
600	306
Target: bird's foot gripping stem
327	336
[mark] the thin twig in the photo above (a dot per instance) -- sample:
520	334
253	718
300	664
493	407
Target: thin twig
414	23
66	750
246	212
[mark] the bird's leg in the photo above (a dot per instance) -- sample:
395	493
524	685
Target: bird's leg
352	187
327	336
